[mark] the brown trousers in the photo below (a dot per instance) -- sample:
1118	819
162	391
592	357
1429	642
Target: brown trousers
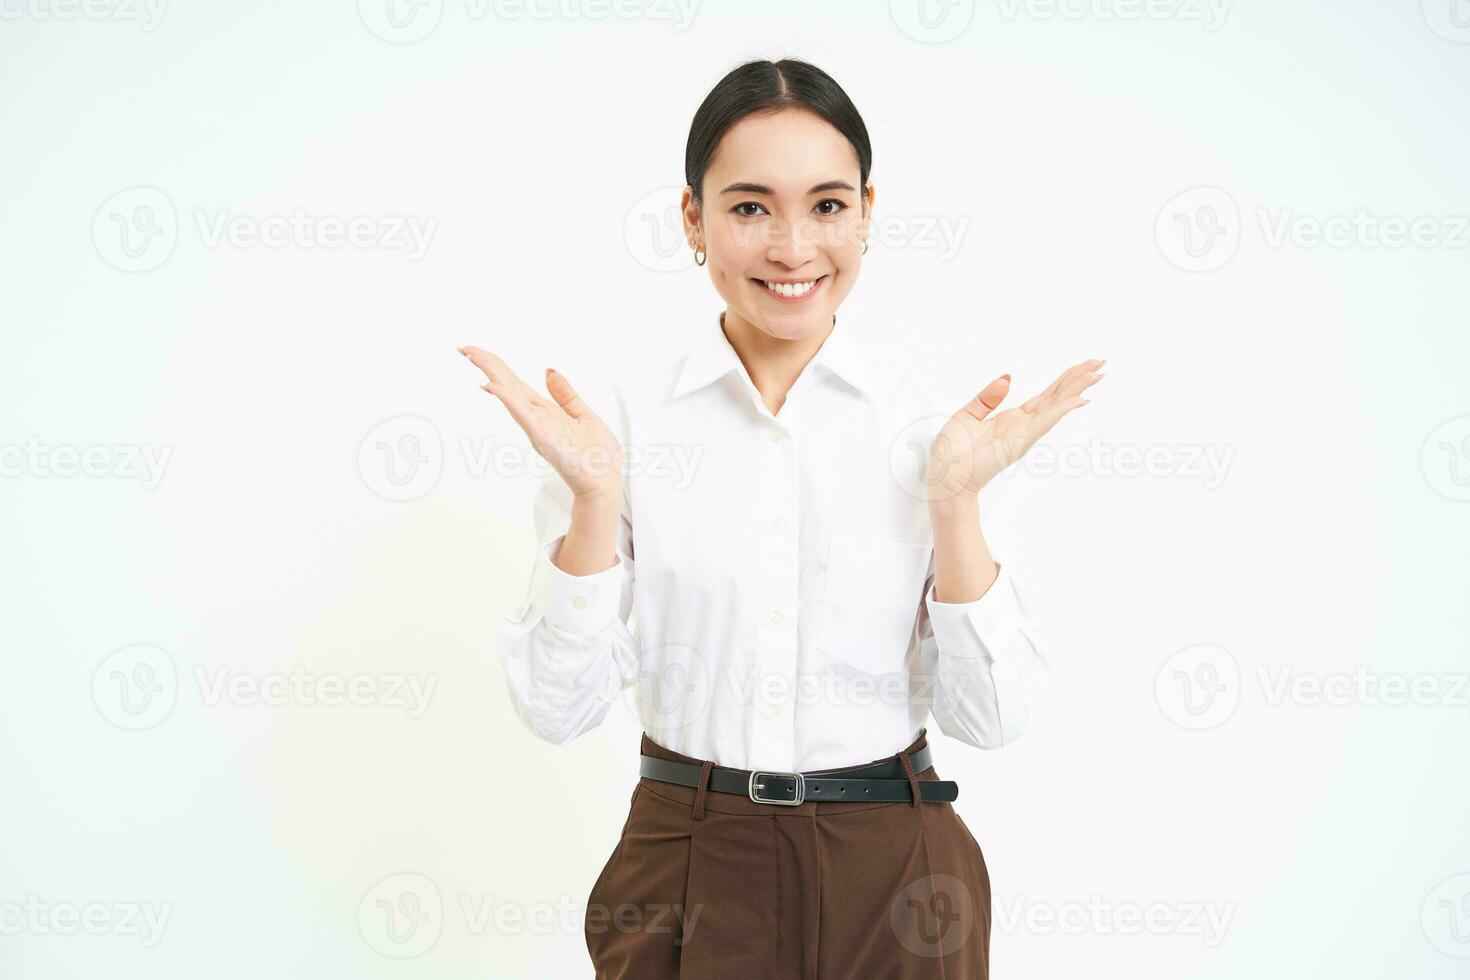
711	885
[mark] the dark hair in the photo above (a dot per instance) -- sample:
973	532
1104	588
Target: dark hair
770	86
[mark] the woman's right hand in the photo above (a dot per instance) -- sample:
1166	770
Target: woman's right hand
566	433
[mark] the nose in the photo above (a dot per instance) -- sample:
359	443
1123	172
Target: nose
791	243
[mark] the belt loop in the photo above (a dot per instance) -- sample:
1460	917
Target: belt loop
704	769
908	768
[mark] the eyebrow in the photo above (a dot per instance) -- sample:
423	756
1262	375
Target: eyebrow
748	188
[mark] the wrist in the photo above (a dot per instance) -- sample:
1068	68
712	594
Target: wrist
603	498
955	508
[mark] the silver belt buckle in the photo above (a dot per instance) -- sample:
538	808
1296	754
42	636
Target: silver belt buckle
755	785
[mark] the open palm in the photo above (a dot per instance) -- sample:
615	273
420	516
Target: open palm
567	434
975	445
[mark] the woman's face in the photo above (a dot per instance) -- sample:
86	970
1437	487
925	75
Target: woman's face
782	205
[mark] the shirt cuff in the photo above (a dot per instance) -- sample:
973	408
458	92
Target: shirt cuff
577	603
985	626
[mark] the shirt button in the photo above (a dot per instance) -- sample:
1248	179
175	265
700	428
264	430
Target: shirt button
777	435
774	711
579	603
778	525
987	625
776	616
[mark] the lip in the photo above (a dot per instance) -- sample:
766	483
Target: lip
821	281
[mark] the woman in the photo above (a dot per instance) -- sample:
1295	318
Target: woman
808	589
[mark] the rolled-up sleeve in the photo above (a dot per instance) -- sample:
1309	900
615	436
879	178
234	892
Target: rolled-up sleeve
991	668
567	649
988	657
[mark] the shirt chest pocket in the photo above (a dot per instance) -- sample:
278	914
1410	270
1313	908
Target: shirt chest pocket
871	600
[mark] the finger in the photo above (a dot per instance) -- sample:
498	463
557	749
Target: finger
520	409
1047	392
989	398
1071	374
1054	413
494	367
1075	379
1079	384
566	396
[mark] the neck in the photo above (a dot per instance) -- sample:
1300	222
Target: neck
773	364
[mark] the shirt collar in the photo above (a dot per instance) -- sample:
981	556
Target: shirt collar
712	358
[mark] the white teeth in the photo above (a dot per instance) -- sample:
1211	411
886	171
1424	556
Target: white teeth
791	289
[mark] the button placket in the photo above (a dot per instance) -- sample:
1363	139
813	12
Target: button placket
776	651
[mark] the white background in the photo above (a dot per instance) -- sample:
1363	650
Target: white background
1029	160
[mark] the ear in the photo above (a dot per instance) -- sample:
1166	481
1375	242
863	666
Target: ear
689	212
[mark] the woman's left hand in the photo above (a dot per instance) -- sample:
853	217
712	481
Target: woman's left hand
974	445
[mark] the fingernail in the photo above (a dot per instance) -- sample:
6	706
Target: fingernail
1006	376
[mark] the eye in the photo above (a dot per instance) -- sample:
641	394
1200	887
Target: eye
737	209
838	206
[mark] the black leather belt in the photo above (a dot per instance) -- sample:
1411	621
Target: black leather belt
884	782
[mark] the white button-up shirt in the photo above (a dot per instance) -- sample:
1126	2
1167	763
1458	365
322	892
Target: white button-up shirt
773	599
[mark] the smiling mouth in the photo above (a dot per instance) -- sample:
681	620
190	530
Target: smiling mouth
791	290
